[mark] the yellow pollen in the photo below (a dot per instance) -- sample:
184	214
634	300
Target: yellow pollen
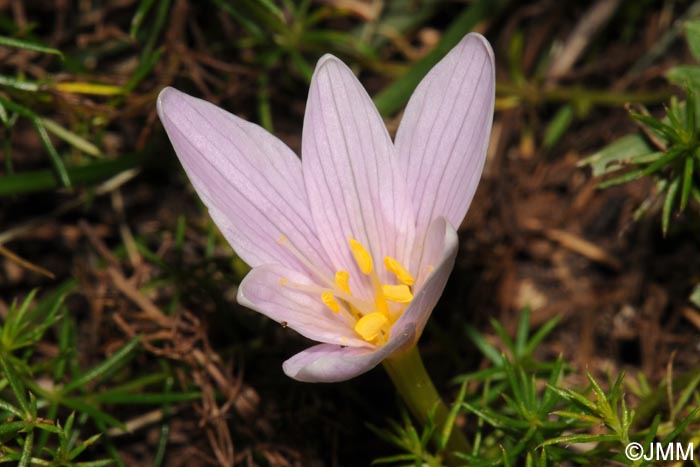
394	267
369	326
362	256
330	301
341	280
397	293
283	281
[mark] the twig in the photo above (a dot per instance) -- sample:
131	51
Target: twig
594	19
576	244
142	421
24	263
147	306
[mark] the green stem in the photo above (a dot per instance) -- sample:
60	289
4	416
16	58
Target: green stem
43	180
413	383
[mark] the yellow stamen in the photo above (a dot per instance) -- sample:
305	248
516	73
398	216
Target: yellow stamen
341	280
330	301
394	267
381	305
369	326
397	293
316	290
362	256
283	281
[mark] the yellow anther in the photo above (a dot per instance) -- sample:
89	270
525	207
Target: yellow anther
394	267
362	256
397	293
283	281
341	280
330	301
369	326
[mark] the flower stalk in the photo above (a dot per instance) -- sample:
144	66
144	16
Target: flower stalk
418	392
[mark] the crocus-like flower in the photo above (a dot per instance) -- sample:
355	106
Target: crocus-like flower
352	245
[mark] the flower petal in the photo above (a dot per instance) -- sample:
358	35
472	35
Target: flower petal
444	132
327	363
438	259
355	187
251	182
270	290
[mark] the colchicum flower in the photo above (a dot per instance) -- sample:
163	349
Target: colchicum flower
352	245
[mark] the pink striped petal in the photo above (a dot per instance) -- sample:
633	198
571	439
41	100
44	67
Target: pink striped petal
251	182
444	133
351	172
437	261
327	363
269	290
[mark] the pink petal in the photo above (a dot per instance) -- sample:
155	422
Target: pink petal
327	363
444	133
251	182
263	291
437	261
351	171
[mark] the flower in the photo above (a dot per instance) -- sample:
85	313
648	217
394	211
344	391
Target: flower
352	245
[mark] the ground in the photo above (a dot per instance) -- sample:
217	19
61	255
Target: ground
141	257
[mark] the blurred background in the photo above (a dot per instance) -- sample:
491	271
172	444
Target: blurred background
117	292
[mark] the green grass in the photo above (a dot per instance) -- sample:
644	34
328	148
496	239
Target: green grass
80	138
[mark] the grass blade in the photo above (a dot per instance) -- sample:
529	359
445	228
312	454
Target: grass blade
43	180
26	45
668	204
394	96
27	450
139	16
15	383
113	361
71	138
687	182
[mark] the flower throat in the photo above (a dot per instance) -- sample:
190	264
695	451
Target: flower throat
372	321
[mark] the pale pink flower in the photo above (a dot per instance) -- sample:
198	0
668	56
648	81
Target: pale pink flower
352	245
